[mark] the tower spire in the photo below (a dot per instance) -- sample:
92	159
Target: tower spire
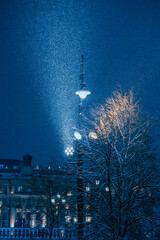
82	83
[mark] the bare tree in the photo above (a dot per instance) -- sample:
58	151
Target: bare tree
118	165
55	202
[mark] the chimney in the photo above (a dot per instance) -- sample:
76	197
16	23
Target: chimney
27	165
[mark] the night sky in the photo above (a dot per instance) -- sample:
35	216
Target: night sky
41	42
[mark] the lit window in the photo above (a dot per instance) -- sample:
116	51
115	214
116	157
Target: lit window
107	189
53	200
75	219
19	188
63	201
87	189
97	182
88	219
69	194
67	206
68	219
58	195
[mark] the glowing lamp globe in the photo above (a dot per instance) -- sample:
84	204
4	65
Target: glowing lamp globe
77	135
93	135
83	94
69	151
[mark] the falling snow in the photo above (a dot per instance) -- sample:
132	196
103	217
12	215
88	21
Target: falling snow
41	44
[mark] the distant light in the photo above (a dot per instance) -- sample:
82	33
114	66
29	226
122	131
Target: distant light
69	193
87	189
63	201
67	206
53	200
37	167
93	135
69	151
107	189
97	182
58	195
88	219
68	219
83	94
75	219
77	135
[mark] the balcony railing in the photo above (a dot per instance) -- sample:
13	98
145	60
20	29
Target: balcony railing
36	233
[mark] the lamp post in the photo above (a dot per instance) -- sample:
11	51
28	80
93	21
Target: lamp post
82	93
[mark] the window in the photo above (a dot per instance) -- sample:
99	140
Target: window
69	193
19	188
97	182
88	189
63	201
68	219
88	219
107	189
75	219
67	206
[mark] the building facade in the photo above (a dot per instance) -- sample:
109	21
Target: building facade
26	194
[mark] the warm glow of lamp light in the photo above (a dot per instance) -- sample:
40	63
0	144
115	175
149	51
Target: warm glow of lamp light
83	94
77	135
93	135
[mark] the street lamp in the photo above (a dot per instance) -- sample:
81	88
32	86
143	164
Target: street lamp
69	151
93	135
77	135
82	93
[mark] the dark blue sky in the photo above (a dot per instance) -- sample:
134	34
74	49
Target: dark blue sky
41	42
